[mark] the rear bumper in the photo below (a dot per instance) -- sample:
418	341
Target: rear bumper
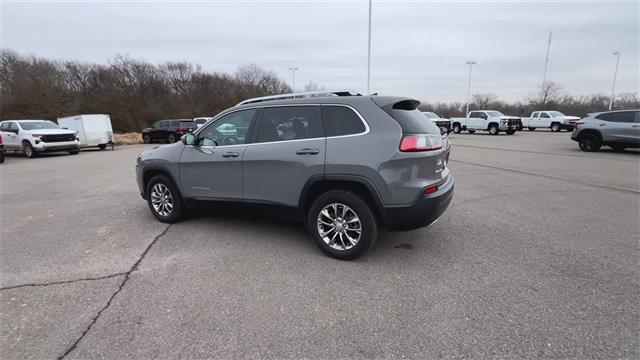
426	210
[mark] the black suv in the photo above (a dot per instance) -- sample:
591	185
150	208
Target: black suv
168	130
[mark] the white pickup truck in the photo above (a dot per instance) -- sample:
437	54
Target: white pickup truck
487	120
554	120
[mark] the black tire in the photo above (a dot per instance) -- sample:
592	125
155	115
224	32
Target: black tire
589	142
494	129
1	156
532	129
555	127
171	138
102	146
471	131
456	128
28	151
618	148
146	139
359	207
74	152
176	212
520	127
510	132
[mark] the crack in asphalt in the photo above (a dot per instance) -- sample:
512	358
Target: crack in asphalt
127	274
62	281
603	186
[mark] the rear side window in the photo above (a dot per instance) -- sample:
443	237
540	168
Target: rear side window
4	126
621	116
410	119
289	123
341	120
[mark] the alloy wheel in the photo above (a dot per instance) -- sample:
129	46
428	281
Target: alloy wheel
161	199
339	226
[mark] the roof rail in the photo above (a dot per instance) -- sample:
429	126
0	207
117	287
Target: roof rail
301	95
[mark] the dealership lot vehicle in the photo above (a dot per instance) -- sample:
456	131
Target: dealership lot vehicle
38	136
442	123
319	158
553	120
120	284
167	130
93	130
617	129
487	120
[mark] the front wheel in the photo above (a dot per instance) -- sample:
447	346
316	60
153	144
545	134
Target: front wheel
171	138
457	129
555	127
146	139
589	142
494	130
342	224
164	199
28	151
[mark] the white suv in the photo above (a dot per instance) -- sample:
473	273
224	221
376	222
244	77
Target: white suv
38	136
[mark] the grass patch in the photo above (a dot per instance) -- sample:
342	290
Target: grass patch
128	138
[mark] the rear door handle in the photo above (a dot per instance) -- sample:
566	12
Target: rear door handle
308	151
231	155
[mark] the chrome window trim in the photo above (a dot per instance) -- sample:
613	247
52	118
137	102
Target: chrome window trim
258	107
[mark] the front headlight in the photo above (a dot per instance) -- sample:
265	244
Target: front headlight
38	137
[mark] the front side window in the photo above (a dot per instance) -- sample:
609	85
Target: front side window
289	123
495	113
556	113
231	129
474	115
535	115
340	120
544	115
38	125
4	126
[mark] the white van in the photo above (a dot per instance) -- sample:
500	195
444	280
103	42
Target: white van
93	130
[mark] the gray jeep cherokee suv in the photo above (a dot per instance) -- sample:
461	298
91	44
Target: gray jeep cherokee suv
345	163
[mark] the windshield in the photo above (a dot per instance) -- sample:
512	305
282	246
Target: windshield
37	125
495	113
555	113
430	115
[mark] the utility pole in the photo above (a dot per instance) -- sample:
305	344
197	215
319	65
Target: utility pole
470	63
369	54
293	74
546	62
615	75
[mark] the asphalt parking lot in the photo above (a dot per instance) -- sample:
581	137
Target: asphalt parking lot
537	257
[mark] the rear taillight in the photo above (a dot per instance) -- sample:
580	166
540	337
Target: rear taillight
430	190
420	142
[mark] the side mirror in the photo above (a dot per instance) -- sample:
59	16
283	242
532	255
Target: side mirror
188	139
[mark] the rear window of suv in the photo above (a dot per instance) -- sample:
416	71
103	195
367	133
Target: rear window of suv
410	119
620	116
341	120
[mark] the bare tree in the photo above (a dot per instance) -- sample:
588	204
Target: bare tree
549	93
312	86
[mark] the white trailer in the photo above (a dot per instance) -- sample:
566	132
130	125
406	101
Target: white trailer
93	130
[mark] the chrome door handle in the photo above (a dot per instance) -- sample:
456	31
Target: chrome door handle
231	155
308	151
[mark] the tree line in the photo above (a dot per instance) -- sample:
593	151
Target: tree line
136	93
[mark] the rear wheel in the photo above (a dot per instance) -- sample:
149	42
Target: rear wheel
457	129
342	224
555	127
471	131
532	129
146	139
589	142
171	138
164	199
1	156
102	146
27	150
493	129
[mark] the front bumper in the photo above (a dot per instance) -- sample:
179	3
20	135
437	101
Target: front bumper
56	146
510	125
426	210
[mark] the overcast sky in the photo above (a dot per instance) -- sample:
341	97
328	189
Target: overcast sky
419	49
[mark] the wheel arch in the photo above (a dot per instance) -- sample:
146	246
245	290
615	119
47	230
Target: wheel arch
590	131
149	173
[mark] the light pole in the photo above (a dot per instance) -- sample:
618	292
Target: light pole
470	63
615	74
546	62
369	53
293	74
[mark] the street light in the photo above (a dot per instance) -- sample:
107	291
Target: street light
615	74
293	74
369	53
470	63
